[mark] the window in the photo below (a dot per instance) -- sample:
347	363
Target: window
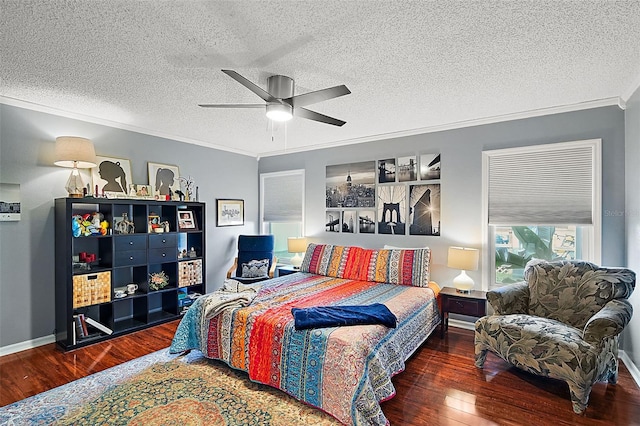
282	208
540	202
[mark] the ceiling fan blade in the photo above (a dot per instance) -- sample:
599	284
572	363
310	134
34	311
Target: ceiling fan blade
317	96
249	85
232	105
316	116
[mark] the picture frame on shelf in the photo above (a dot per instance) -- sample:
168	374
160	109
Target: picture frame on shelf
163	179
230	212
111	176
140	191
187	220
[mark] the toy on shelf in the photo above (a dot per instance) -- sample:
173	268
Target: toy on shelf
89	224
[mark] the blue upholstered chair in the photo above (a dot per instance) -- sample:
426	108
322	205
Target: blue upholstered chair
562	322
255	261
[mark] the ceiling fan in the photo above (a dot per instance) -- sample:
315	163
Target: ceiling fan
281	104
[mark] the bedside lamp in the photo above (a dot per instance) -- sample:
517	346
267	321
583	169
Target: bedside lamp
78	153
465	259
297	246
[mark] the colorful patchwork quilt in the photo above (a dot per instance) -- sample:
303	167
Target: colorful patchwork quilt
345	371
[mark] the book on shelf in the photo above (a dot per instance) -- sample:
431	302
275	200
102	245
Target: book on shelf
83	324
77	327
98	325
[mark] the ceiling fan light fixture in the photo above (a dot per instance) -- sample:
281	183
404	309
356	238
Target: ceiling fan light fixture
279	112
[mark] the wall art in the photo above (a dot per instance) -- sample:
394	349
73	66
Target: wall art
351	185
163	179
429	166
392	208
424	209
111	176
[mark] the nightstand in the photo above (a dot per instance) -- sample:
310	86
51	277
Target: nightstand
286	270
473	304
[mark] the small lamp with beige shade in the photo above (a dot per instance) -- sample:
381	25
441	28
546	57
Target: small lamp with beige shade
78	153
465	259
296	245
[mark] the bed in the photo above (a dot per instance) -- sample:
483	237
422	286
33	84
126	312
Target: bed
344	371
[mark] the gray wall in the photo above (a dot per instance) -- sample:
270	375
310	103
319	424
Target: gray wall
27	247
632	215
461	180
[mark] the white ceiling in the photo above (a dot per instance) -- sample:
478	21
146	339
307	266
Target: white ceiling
411	66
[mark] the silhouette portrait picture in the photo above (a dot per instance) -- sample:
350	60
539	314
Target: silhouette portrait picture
111	175
163	179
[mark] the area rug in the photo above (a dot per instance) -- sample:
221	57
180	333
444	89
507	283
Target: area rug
164	389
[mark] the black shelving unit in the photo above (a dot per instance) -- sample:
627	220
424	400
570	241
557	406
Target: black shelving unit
117	259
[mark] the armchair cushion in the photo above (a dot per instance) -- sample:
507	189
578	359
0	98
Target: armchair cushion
573	291
256	269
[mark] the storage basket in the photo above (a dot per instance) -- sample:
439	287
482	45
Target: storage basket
190	273
91	289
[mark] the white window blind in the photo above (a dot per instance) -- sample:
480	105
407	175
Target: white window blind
544	185
282	196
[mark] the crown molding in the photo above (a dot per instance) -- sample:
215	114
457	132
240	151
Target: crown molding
631	90
617	101
117	125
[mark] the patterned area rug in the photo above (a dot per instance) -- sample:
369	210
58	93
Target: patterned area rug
164	389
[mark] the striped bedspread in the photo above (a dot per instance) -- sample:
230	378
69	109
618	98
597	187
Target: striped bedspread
345	371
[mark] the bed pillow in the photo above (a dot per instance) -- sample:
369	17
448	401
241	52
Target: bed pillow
255	269
394	266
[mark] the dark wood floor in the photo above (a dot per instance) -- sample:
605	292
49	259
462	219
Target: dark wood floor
440	386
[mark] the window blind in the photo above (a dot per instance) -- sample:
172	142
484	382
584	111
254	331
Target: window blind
282	196
550	185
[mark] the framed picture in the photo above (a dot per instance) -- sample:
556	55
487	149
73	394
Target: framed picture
387	170
230	212
141	191
429	166
407	168
9	201
424	207
163	179
332	221
111	176
186	220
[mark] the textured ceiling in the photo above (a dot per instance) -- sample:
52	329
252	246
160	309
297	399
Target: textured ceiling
410	65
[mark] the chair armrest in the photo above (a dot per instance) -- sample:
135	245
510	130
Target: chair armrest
273	267
608	321
232	270
510	299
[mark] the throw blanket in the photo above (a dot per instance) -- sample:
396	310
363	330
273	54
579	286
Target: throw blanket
215	302
335	316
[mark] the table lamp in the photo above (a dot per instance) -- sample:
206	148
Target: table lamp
465	259
297	246
78	153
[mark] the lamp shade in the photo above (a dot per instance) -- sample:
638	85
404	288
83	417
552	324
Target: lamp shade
296	245
463	258
73	151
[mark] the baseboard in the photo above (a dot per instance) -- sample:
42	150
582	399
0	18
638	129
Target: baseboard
462	324
29	344
633	369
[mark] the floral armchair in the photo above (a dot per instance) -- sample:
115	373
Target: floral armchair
562	322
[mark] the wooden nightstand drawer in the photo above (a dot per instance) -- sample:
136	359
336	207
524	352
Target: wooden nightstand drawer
473	304
474	308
